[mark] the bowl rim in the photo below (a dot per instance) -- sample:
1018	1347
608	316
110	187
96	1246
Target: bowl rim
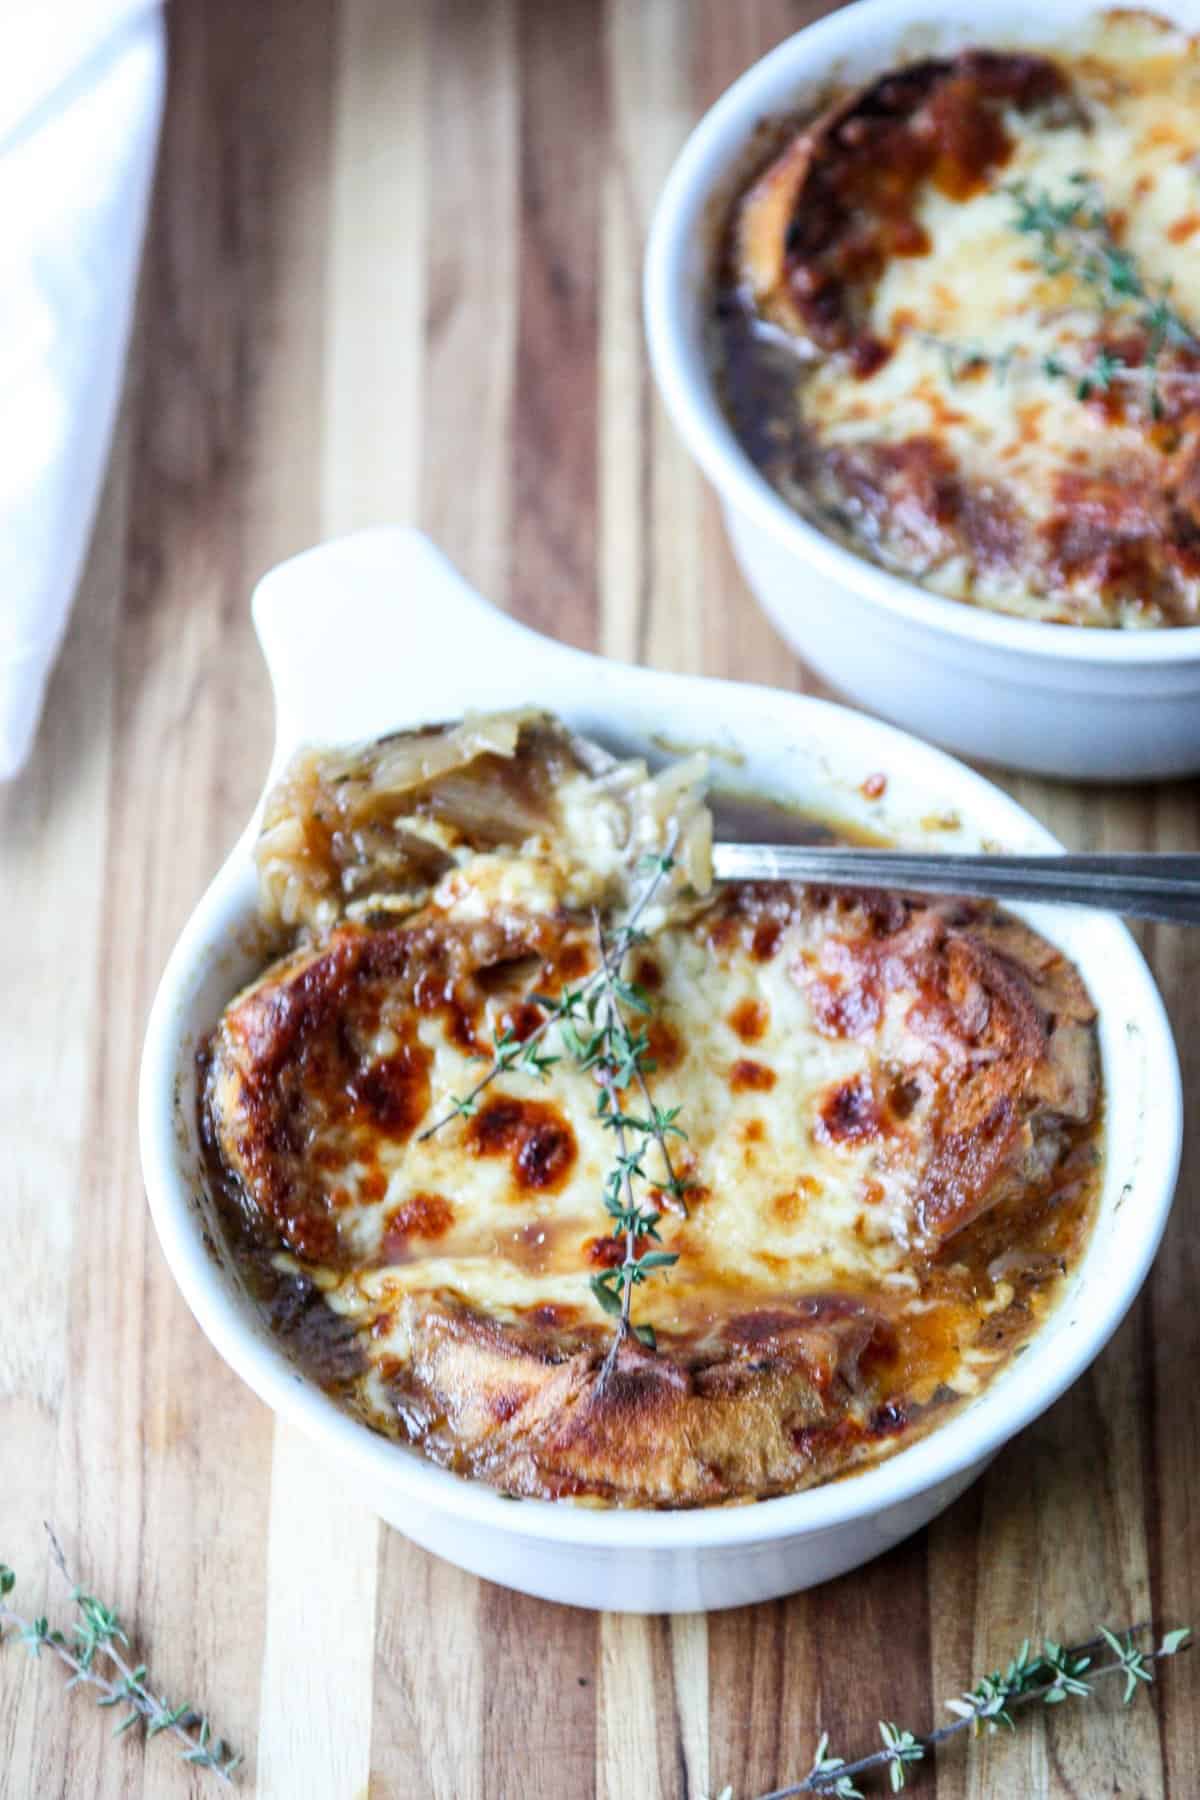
693	186
969	1437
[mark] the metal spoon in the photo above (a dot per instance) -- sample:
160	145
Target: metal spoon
1154	886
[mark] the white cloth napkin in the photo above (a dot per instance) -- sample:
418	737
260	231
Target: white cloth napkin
81	84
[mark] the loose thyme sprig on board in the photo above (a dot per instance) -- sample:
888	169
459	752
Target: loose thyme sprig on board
595	1031
1073	235
97	1637
1052	1675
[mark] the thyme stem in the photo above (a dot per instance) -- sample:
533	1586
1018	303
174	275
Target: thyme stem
617	1056
99	1632
963	356
1051	1675
606	1081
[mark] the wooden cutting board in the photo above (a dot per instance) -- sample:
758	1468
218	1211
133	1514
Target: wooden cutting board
393	274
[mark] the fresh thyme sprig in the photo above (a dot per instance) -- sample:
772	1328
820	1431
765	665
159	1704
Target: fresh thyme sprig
594	1029
568	1009
98	1637
1074	236
1052	1675
618	1056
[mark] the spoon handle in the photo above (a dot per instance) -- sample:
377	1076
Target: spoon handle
1150	886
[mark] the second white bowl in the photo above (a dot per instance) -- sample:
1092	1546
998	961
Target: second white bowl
1052	699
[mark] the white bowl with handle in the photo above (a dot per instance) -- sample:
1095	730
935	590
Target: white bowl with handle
377	632
1074	701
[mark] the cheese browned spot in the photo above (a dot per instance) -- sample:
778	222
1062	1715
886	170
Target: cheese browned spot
749	1019
849	1114
535	1136
426	1216
748	1076
879	251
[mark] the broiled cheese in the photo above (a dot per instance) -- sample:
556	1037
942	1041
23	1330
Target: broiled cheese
780	1204
815	1094
875	1097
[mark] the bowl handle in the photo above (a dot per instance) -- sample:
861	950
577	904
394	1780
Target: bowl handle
378	630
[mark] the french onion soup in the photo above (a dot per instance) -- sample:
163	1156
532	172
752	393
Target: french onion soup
956	323
597	1181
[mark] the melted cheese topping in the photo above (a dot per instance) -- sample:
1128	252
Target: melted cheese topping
877	1098
778	1204
804	1150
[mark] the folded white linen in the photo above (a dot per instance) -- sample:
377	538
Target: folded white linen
81	85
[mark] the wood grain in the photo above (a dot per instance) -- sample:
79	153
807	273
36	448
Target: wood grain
393	273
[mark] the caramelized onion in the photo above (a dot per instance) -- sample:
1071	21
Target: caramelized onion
377	826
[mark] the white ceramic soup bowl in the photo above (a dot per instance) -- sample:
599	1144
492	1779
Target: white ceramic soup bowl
377	632
1054	699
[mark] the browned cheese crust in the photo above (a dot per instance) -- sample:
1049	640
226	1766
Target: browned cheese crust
765	1410
753	1389
815	232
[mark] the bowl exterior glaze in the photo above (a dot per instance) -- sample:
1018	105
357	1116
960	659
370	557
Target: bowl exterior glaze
689	1580
1078	721
436	650
1085	704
